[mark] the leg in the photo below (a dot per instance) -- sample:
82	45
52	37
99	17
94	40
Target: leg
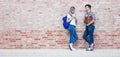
91	32
71	30
71	33
75	36
85	35
91	37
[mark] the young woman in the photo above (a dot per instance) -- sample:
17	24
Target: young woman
72	28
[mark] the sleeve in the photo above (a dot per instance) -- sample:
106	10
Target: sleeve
93	16
68	16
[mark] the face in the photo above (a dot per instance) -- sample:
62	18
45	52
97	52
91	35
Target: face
87	9
73	11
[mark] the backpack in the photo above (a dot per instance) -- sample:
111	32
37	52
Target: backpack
65	23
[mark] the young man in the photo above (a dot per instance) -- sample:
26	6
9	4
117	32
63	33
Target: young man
89	30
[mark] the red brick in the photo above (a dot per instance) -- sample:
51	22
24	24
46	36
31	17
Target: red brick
37	39
38	24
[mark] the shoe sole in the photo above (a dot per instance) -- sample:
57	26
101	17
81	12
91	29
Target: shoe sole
70	48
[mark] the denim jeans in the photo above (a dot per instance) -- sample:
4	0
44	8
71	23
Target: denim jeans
73	34
88	34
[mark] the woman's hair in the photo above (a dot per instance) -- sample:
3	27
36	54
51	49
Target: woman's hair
71	9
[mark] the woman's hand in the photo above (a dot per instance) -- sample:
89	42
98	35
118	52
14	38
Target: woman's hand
68	19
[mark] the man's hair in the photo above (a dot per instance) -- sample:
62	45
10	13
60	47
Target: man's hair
88	5
72	7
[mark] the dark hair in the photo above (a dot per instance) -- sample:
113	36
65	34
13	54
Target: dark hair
88	5
72	7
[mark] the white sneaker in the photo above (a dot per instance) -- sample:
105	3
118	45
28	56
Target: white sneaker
71	47
90	48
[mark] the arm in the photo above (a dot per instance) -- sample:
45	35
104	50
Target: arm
94	18
91	22
68	19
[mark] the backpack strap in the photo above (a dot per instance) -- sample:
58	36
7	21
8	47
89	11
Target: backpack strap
70	15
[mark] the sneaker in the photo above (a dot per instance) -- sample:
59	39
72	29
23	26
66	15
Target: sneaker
71	48
92	46
89	49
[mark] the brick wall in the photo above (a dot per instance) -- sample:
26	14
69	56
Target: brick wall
38	24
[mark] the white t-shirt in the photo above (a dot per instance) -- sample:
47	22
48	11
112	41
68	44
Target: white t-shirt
73	20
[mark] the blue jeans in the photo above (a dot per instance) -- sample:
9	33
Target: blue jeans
88	34
73	34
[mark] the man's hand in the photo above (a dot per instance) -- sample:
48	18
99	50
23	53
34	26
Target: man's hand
91	22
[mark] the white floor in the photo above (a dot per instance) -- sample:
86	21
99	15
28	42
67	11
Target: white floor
59	53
